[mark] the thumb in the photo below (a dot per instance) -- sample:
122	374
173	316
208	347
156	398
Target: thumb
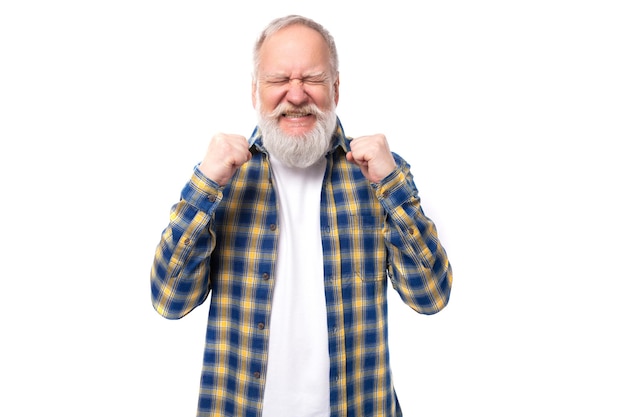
360	162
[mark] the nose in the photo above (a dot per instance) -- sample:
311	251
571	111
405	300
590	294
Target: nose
296	93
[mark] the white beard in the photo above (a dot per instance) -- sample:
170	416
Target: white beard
299	151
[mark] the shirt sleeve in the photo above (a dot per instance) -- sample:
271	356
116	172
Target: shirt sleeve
418	265
179	277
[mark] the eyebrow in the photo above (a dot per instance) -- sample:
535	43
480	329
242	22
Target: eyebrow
315	75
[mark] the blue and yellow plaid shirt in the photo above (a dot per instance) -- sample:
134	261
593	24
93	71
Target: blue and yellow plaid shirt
224	240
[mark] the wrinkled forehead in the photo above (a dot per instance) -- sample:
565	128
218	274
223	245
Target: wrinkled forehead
294	50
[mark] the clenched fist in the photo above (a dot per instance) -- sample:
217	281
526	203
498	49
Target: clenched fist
225	155
373	156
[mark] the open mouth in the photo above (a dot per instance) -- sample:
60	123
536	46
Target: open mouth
295	115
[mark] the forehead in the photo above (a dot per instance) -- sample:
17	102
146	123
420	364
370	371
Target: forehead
294	48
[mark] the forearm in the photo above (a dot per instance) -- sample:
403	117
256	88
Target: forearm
180	271
418	264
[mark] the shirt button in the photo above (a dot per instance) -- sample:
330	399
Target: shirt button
386	194
257	375
261	326
212	198
272	227
186	242
266	276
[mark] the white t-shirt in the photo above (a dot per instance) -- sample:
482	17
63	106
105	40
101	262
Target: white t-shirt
298	366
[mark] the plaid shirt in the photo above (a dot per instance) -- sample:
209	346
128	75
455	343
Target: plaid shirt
224	240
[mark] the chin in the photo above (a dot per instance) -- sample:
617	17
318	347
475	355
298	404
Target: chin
298	130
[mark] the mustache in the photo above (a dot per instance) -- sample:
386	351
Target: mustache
286	108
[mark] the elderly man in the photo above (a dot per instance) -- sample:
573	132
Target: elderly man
297	232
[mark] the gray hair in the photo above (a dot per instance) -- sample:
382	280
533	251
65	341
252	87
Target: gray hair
283	22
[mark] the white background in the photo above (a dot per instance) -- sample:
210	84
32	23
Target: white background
511	113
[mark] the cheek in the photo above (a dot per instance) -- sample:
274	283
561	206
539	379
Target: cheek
268	100
323	100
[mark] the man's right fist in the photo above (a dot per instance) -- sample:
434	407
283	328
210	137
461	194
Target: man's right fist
225	154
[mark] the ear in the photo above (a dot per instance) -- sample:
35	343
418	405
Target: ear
253	90
336	87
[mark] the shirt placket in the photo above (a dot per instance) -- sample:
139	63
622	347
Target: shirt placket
334	302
